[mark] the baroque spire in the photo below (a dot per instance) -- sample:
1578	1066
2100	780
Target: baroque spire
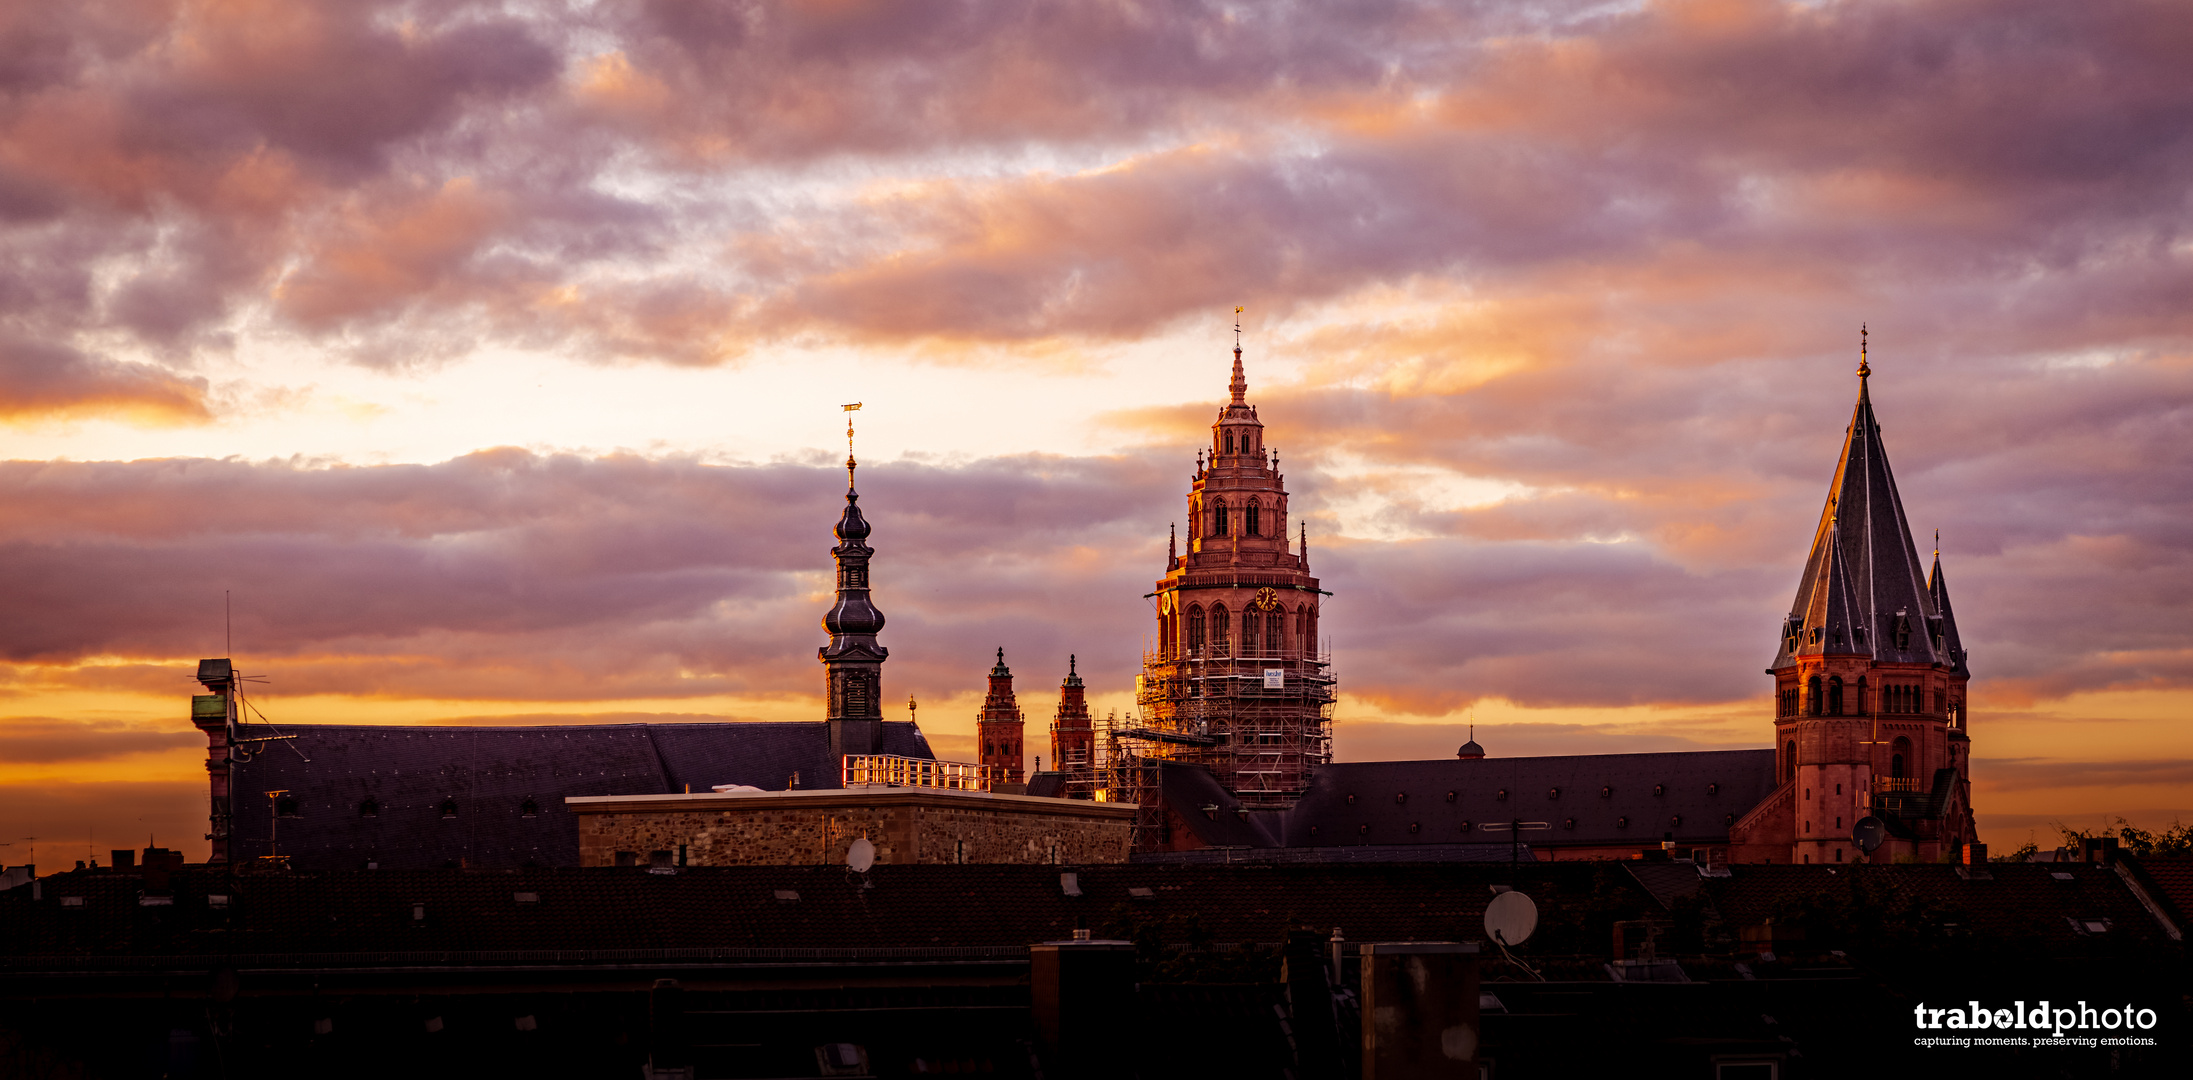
853	660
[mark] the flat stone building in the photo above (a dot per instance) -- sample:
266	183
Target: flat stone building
793	828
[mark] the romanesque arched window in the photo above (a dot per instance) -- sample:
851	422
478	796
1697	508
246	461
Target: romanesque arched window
1220	627
1302	628
1195	629
1229	442
1218	519
1789	762
1813	693
1835	695
1249	526
1862	707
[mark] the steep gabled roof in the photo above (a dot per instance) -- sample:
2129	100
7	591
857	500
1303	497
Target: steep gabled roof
1863	574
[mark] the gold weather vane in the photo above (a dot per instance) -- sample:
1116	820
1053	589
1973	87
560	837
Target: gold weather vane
849	411
1237	326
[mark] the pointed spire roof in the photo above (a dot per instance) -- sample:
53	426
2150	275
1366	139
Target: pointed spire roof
1072	677
1938	587
1863	576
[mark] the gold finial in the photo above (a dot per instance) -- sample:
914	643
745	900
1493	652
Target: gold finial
1937	544
849	411
1863	370
1237	327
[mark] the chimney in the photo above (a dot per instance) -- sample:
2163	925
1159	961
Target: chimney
668	1055
1082	991
1420	1010
2100	849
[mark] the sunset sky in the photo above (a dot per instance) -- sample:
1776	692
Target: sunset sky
489	357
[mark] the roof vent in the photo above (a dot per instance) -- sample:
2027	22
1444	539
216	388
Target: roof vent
788	895
525	897
1140	893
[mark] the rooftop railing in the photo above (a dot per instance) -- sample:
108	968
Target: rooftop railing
891	770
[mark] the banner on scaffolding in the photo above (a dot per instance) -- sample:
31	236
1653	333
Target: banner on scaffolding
1275	678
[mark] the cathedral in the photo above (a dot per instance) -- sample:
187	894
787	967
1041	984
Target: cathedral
1237	684
1232	746
1870	716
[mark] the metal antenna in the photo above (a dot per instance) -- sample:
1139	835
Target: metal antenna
228	626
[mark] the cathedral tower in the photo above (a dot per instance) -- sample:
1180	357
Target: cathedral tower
1870	678
852	663
1073	737
1236	682
998	726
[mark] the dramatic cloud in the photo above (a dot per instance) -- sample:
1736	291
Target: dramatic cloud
1552	311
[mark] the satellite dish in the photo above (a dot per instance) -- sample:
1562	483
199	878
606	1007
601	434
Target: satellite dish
861	855
1868	834
1510	918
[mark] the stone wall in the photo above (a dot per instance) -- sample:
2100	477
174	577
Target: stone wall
907	825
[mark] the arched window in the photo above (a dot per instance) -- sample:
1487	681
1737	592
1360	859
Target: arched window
1248	633
1195	629
1835	695
1302	628
1218	519
1229	442
1220	627
1899	758
1813	687
1789	762
1861	695
1275	630
1249	526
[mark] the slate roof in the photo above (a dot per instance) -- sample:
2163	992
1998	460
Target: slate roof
488	775
2030	904
473	916
1612	799
1863	567
369	914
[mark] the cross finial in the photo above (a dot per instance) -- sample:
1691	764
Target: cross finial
1863	370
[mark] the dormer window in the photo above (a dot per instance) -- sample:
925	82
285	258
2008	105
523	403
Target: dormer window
286	806
528	808
449	808
1815	638
1903	631
369	808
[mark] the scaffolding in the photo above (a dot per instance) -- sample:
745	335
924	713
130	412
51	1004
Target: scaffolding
1261	724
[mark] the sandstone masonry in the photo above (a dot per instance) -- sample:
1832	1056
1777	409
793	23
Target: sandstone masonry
816	827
